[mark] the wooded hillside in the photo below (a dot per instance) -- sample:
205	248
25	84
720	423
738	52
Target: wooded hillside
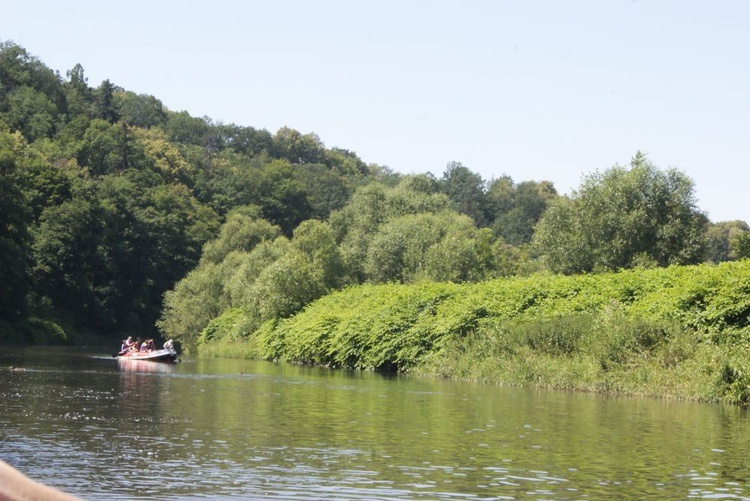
118	213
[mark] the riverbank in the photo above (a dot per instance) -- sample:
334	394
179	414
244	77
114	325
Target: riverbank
36	331
678	332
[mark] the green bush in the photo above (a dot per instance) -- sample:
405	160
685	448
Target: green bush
661	332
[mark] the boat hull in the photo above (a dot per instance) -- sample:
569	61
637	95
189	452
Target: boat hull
163	355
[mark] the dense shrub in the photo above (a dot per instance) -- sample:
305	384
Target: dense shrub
669	331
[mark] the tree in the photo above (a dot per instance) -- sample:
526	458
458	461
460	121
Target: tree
15	68
374	204
140	110
316	240
15	241
105	105
242	231
467	192
281	197
19	69
622	218
78	94
327	190
741	245
153	151
297	148
722	238
443	246
194	302
68	270
516	208
345	162
246	140
182	128
241	285
31	112
103	147
287	285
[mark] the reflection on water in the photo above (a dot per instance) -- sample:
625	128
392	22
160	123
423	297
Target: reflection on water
223	428
130	365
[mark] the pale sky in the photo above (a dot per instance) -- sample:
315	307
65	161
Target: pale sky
538	90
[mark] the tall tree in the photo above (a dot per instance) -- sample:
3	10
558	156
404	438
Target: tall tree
466	190
281	197
105	102
623	218
78	93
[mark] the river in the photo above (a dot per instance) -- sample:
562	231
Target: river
220	429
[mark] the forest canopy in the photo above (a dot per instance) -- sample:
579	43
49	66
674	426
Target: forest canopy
118	214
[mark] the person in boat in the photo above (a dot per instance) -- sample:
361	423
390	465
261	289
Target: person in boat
169	345
127	344
148	345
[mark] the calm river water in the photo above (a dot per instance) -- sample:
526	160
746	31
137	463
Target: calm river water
220	429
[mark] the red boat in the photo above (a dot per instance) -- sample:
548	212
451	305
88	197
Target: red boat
163	355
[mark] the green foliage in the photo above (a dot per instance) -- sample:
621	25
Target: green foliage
194	302
741	245
140	110
733	380
440	247
466	190
518	207
654	332
327	190
298	148
251	269
182	128
240	285
621	218
15	240
382	330
287	285
101	149
316	240
31	112
108	198
105	107
385	233
722	240
79	96
281	197
19	69
242	231
232	325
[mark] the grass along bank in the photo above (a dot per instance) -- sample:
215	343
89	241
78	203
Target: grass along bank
678	332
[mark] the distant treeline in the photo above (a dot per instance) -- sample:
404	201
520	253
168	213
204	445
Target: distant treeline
118	214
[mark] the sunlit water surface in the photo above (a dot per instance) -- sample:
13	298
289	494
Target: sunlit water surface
88	424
